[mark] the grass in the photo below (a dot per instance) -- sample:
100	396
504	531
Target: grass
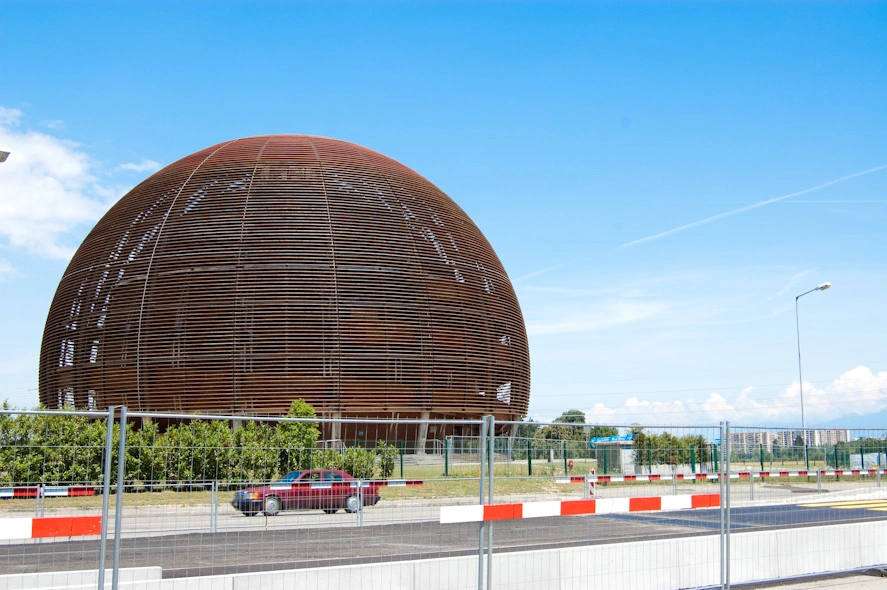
514	468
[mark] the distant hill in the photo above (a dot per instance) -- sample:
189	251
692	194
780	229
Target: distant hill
876	420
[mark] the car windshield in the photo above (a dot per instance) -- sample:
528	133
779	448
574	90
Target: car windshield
292	476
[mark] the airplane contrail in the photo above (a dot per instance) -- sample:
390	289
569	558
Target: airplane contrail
748	208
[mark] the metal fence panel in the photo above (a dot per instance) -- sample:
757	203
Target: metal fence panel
525	506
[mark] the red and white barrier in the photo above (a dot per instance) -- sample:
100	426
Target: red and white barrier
50	526
478	513
46	491
716	476
399	483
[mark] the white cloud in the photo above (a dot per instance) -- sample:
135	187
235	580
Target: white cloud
5	269
58	124
47	188
792	282
9	116
858	391
143	166
605	315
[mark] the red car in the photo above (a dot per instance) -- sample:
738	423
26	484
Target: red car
316	489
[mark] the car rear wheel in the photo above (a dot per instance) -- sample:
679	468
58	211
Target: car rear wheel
272	505
352	504
330	510
250	512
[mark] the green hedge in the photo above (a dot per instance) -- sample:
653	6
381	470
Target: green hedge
62	448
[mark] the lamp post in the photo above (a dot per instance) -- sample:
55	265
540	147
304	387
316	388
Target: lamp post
821	287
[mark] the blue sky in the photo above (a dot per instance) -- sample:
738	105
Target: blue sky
569	132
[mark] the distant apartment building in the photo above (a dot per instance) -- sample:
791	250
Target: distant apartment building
787	438
814	438
754	439
830	438
750	440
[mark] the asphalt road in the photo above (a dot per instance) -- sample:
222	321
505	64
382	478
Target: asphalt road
289	547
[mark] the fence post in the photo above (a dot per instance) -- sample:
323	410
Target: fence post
720	507
401	463
118	511
214	498
446	457
818	481
480	533
724	480
564	445
491	457
727	452
762	456
529	457
106	491
359	502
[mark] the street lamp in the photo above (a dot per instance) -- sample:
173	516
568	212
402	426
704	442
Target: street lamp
821	287
3	156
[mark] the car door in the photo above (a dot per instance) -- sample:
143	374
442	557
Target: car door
334	495
285	490
312	490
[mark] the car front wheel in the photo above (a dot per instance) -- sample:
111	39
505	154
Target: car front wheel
272	505
352	504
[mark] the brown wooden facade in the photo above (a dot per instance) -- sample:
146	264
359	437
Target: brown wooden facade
271	268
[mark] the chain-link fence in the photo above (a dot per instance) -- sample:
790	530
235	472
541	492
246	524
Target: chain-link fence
238	502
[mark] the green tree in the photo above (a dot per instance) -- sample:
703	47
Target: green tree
797	450
701	448
667	449
557	430
144	446
254	462
55	448
360	463
527	430
326	459
387	456
571	417
295	441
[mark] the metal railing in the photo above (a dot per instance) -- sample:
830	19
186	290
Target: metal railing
175	507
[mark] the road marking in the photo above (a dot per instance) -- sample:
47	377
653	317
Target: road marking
878	505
